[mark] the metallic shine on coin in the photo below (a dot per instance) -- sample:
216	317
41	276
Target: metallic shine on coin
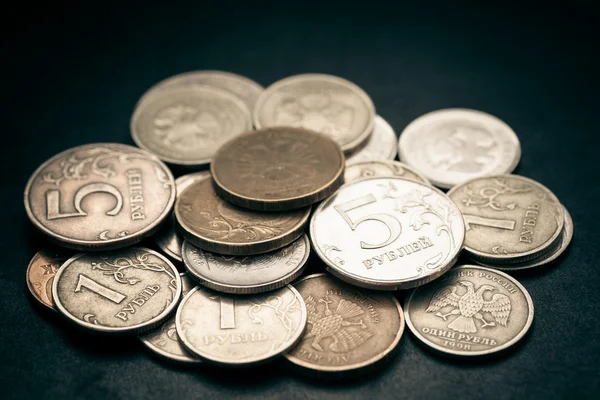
470	311
349	329
509	218
100	196
214	225
322	103
277	169
249	274
122	291
387	233
382	169
237	331
381	144
40	274
164	341
454	145
168	238
186	126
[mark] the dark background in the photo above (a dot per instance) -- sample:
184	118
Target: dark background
72	74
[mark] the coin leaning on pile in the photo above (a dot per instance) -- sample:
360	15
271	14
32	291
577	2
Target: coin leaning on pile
320	160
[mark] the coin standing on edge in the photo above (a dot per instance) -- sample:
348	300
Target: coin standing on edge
186	126
470	311
382	169
97	196
544	259
387	233
509	218
245	89
322	103
250	274
164	341
239	331
168	238
451	146
40	274
212	224
278	169
349	329
122	291
381	144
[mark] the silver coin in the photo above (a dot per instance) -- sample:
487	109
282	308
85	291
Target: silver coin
470	311
100	196
509	218
382	169
322	103
186	126
245	89
454	145
349	329
168	238
544	259
387	233
381	144
240	331
250	274
164	341
123	291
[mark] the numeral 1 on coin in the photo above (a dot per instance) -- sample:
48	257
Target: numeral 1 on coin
490	222
389	221
227	313
97	288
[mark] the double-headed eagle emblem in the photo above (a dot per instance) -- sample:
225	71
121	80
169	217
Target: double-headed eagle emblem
346	334
470	306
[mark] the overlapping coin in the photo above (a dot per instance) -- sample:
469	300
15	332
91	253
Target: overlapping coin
470	311
387	233
509	218
122	291
100	196
381	144
455	145
349	330
40	274
238	331
381	169
186	125
248	274
322	103
278	169
214	225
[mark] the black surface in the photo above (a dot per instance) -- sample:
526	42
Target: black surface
72	75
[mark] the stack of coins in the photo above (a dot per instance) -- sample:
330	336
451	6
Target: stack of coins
228	286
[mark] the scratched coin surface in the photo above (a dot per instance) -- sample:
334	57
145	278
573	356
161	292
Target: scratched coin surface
470	311
40	274
214	225
164	341
245	89
381	169
322	103
387	233
278	169
234	331
100	196
509	218
186	125
454	145
249	274
349	329
544	259
121	291
382	144
168	238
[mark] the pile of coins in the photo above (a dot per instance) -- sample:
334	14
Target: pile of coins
317	173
